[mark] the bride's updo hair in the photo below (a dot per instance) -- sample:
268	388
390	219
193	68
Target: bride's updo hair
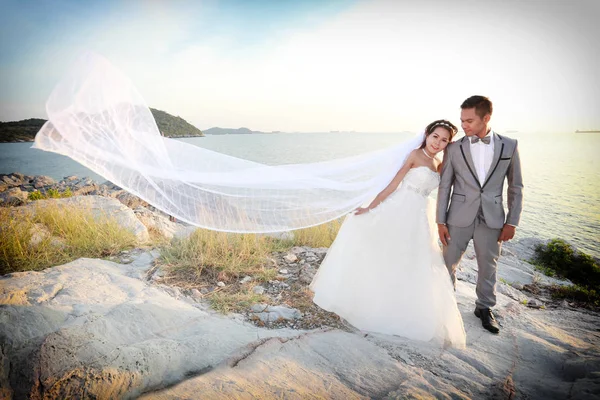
449	126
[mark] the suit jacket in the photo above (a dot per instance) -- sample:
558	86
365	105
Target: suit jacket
459	178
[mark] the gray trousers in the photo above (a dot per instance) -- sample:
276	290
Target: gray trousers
487	251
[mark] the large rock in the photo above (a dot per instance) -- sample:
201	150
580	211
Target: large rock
13	197
130	200
268	313
101	207
85	189
513	267
11	180
539	354
97	329
42	181
157	221
322	365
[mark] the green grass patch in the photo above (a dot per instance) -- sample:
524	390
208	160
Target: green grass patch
53	235
559	259
578	294
49	194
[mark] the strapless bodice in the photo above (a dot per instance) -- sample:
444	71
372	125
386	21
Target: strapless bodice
421	180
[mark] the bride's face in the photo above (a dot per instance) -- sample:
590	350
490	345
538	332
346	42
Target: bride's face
437	140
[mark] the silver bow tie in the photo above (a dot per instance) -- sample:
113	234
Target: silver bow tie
475	139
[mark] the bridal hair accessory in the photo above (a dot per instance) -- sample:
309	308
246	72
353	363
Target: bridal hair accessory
443	123
97	117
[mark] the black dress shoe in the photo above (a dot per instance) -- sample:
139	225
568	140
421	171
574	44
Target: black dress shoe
487	319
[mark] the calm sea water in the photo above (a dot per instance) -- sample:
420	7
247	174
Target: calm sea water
561	171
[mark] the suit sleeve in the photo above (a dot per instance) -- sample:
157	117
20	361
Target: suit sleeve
515	189
446	181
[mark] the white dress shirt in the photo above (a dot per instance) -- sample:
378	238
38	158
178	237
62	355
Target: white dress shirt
482	155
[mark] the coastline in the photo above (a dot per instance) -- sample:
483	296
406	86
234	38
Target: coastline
31	140
18	141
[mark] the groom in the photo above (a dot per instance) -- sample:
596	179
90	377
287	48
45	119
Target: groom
473	172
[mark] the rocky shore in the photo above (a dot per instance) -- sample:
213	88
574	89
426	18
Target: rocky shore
118	328
16	187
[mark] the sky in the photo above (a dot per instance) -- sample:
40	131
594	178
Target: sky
318	65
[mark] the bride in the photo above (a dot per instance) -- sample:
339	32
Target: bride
385	272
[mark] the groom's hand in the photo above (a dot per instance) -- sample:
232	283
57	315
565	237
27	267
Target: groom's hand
444	234
508	232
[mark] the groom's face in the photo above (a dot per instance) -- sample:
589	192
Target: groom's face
472	123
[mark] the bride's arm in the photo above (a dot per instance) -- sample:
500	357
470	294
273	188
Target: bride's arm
389	189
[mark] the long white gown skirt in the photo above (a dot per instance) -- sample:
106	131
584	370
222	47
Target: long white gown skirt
385	272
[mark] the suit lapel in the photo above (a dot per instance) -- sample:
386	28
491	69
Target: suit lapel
498	148
465	149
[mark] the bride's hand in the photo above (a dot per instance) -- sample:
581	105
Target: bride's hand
361	210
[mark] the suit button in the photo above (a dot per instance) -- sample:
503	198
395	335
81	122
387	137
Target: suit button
481	190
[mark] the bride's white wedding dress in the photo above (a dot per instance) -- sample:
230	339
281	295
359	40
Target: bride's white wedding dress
385	272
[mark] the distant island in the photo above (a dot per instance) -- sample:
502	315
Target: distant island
232	131
592	131
168	125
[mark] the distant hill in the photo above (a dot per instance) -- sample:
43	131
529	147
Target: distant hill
230	131
171	126
20	131
25	130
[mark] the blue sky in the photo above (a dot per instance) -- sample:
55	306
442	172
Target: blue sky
318	65
39	39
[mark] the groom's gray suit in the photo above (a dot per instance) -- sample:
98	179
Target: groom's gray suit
475	210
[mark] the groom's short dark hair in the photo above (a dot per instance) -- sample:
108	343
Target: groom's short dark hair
481	104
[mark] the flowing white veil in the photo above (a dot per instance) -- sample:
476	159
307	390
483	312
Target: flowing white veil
97	117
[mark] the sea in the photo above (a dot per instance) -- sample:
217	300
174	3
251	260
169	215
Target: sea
561	172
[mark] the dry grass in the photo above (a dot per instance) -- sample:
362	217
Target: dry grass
54	235
300	297
318	236
217	256
207	257
235	301
156	238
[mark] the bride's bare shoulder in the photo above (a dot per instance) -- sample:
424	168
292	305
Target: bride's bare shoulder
414	154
